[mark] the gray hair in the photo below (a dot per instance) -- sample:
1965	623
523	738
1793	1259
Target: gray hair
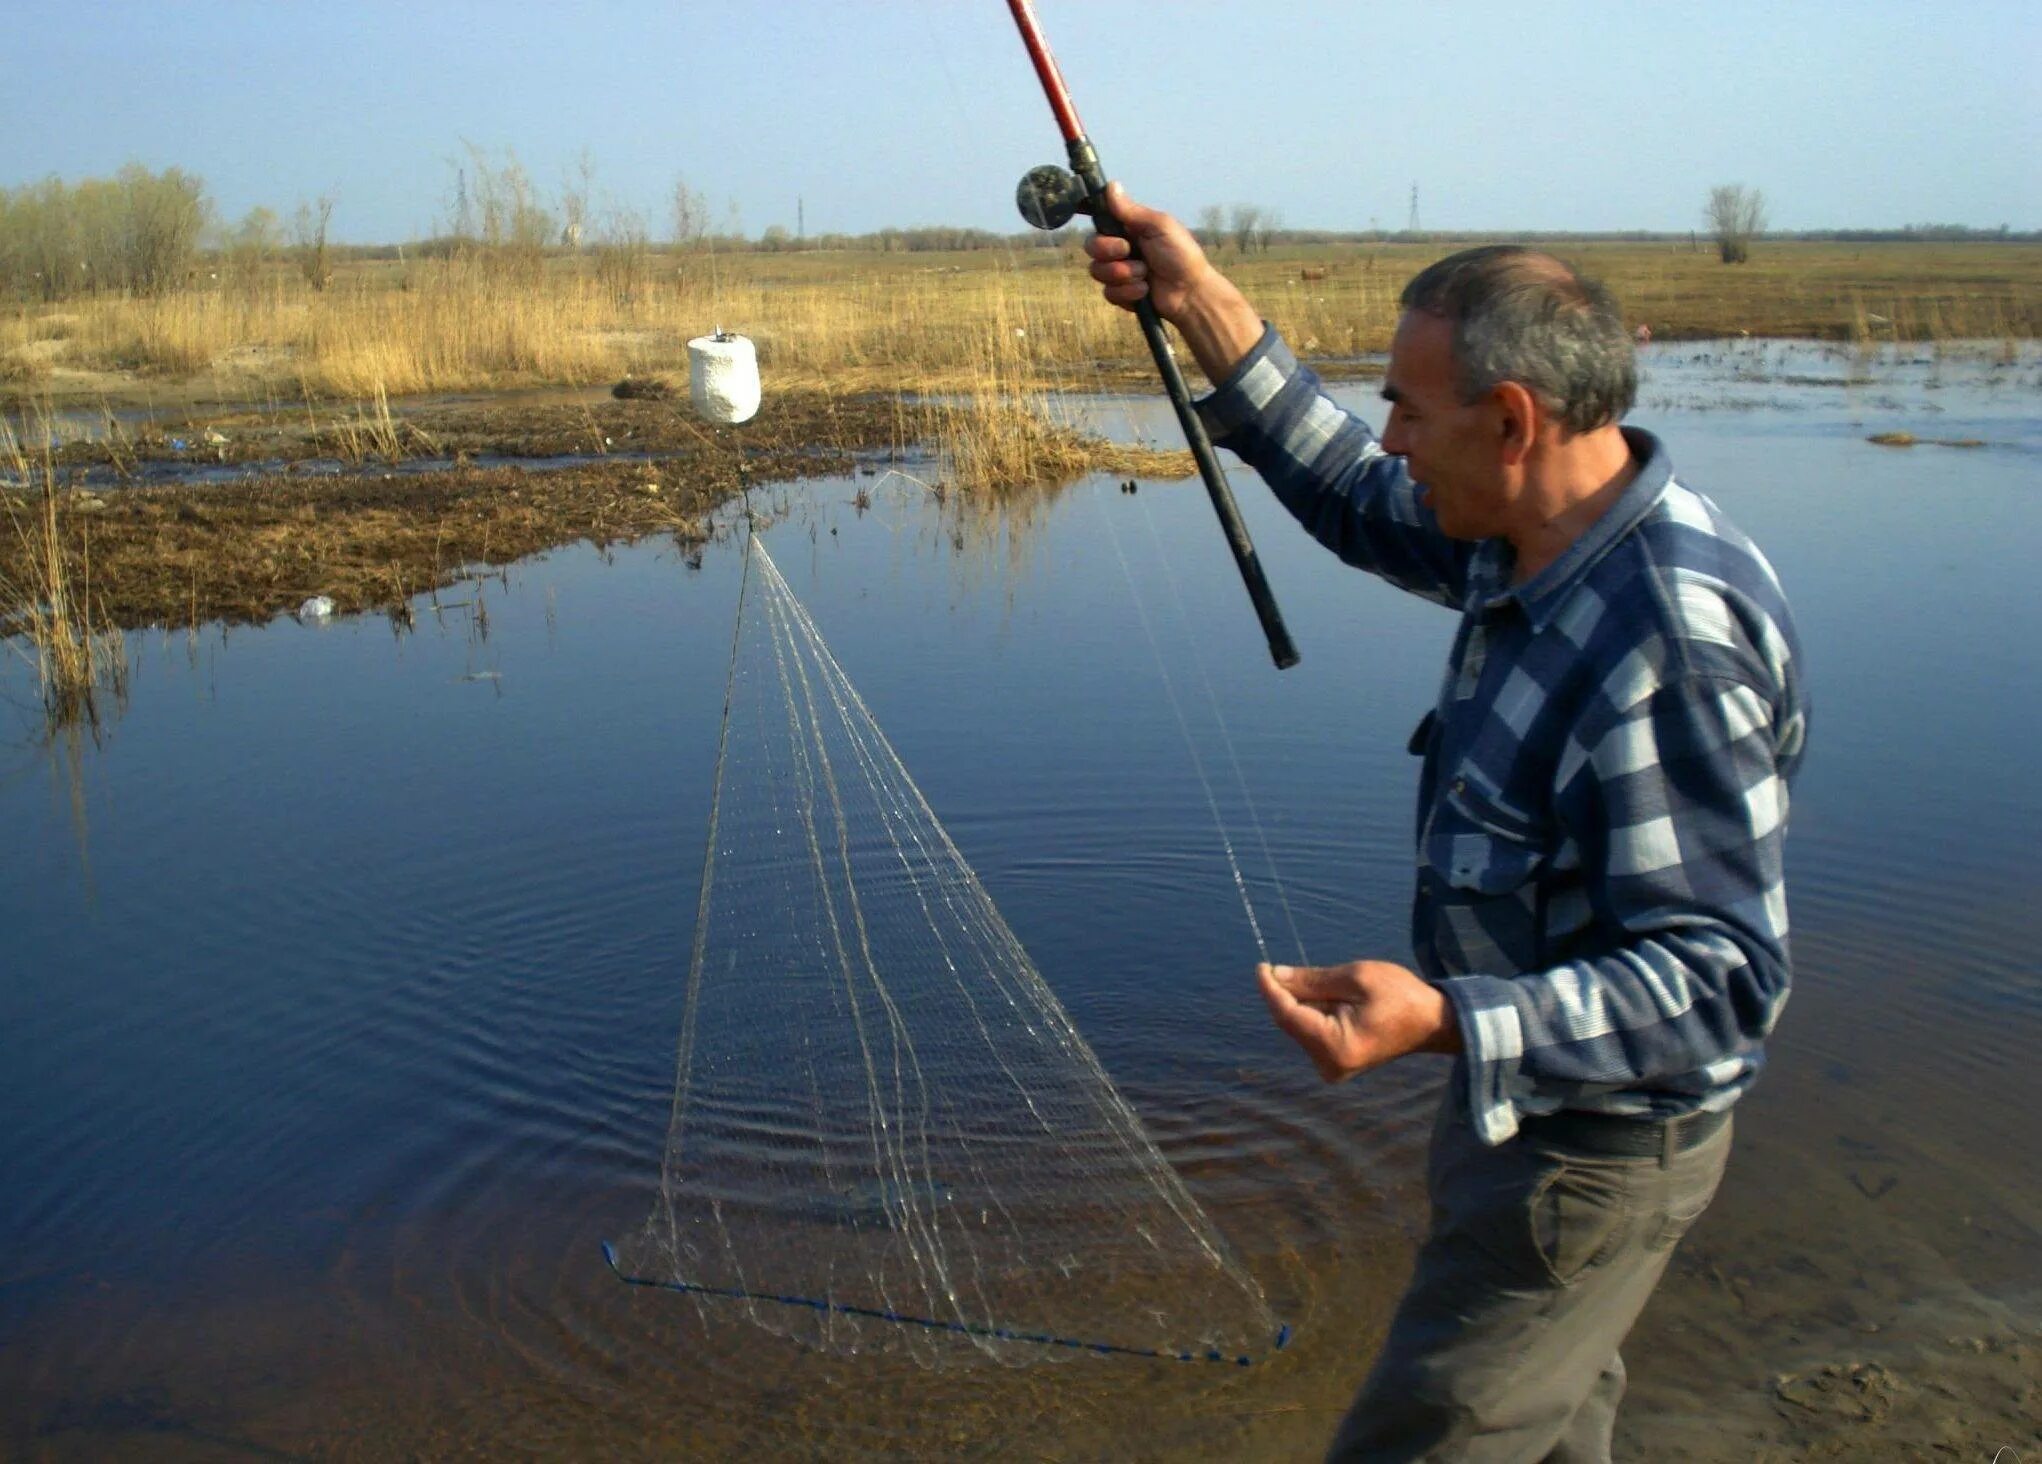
1521	315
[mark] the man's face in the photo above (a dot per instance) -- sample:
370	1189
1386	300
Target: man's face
1454	450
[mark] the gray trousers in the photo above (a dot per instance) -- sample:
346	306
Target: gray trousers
1538	1262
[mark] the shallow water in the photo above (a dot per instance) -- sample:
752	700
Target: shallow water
341	983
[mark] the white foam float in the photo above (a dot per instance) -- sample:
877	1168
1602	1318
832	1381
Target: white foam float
723	378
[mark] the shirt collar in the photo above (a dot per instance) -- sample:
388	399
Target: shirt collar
1540	597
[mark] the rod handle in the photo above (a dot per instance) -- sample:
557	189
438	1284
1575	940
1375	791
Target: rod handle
1282	649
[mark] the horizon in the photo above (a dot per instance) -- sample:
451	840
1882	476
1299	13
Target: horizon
850	118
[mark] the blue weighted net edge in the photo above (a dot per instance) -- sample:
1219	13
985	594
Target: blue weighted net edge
1004	1334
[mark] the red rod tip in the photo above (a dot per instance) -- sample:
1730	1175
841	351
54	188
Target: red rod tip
1046	70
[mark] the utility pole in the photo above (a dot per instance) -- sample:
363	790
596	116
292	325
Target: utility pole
1412	227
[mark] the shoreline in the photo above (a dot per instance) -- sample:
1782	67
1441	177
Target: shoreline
243	516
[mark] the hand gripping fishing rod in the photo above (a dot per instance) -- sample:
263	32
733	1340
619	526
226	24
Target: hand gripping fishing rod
1048	197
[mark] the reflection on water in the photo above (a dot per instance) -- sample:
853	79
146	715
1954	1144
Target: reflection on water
326	1083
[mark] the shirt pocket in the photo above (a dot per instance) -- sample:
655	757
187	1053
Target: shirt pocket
1480	845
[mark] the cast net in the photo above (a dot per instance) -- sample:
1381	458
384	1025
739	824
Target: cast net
887	1135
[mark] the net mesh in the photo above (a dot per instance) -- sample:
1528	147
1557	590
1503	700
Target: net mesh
887	1135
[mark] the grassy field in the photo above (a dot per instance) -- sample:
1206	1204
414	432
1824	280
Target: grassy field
967	322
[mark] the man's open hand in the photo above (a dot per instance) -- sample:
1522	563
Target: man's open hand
1351	1018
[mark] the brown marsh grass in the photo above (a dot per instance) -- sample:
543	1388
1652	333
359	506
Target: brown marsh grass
49	596
918	322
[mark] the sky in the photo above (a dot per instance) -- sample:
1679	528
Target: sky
859	114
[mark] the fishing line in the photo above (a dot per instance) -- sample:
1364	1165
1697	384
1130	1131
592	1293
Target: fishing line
1226	737
1050	363
1197	762
1048	359
1142	437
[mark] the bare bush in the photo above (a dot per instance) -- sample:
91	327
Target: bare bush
252	245
512	227
1245	221
163	215
575	196
690	215
1267	228
309	228
1736	215
622	250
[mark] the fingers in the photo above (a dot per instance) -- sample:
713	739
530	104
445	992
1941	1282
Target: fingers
1125	283
1106	247
1309	1024
1126	280
1119	271
1294	1017
1278	997
1320	983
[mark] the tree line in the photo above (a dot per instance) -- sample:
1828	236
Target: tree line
137	231
142	232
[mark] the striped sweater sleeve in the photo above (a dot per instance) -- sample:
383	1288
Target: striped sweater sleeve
1326	467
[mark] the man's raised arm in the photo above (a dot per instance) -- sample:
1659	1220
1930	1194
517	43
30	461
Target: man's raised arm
1213	316
1321	461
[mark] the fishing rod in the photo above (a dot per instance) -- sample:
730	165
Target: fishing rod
1048	197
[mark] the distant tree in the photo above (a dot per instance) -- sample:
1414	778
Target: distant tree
775	239
1212	226
163	215
1736	216
513	228
575	194
138	231
252	244
690	215
309	229
621	247
1245	220
1267	228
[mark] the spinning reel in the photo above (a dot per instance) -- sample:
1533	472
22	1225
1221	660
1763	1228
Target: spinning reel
1049	196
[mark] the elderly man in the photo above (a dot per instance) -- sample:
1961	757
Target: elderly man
1600	919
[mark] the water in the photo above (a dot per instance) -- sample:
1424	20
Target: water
341	984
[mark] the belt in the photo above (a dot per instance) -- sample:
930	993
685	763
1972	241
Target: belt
1618	1137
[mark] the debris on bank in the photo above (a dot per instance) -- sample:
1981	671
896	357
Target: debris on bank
1908	439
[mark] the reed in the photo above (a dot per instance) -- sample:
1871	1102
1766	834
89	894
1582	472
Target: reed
1003	432
78	660
372	431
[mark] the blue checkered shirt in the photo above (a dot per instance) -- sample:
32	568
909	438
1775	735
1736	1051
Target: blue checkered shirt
1604	794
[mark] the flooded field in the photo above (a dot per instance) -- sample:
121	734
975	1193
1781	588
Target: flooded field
343	977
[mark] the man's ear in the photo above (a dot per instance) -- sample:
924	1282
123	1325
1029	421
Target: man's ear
1518	421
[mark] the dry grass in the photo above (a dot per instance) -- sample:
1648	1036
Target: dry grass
246	549
47	600
1004	432
920	322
